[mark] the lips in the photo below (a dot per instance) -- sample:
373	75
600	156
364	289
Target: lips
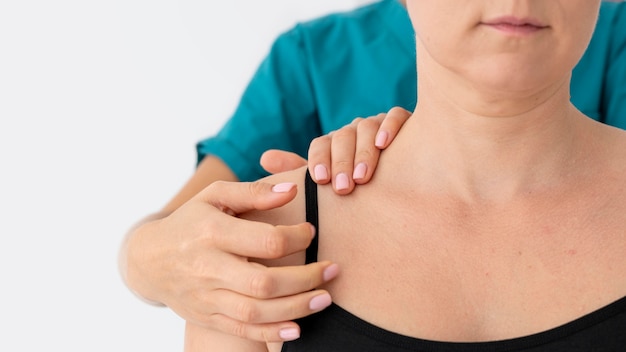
515	21
515	25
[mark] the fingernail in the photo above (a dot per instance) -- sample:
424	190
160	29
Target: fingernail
359	171
312	231
341	182
381	139
320	302
320	173
330	272
289	334
283	187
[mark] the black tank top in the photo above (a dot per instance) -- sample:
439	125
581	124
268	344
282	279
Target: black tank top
337	330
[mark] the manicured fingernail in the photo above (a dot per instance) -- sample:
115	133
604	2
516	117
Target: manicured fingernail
289	334
341	182
381	139
283	187
331	272
359	171
320	172
320	302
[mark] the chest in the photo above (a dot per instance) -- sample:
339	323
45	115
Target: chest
432	269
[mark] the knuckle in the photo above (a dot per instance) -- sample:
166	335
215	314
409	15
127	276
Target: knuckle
344	132
262	285
255	188
246	313
369	124
275	243
378	117
395	110
318	145
357	121
206	233
257	191
239	329
212	189
322	139
223	323
397	113
368	153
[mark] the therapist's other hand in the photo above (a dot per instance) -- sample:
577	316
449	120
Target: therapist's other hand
349	156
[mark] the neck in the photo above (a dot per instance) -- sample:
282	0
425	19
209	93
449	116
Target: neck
490	149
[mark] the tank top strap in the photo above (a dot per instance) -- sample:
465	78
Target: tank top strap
310	192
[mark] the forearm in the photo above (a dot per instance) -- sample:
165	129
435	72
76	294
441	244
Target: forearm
198	339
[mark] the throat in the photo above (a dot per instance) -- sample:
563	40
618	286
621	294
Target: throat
487	166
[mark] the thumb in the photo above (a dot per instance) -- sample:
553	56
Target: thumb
275	161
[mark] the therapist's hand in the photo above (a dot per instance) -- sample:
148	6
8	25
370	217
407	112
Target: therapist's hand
354	150
195	261
347	156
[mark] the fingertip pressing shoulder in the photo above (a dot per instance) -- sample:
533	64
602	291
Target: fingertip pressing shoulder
292	212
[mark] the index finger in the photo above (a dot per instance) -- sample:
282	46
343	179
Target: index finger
254	239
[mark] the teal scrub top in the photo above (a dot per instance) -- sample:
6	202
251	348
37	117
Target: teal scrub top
321	74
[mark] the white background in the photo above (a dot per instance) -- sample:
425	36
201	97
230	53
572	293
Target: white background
101	104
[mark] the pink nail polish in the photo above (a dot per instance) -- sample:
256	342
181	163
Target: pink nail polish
320	173
289	334
359	171
381	139
341	182
330	272
283	187
320	302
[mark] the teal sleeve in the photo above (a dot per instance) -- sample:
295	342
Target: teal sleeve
276	110
615	90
